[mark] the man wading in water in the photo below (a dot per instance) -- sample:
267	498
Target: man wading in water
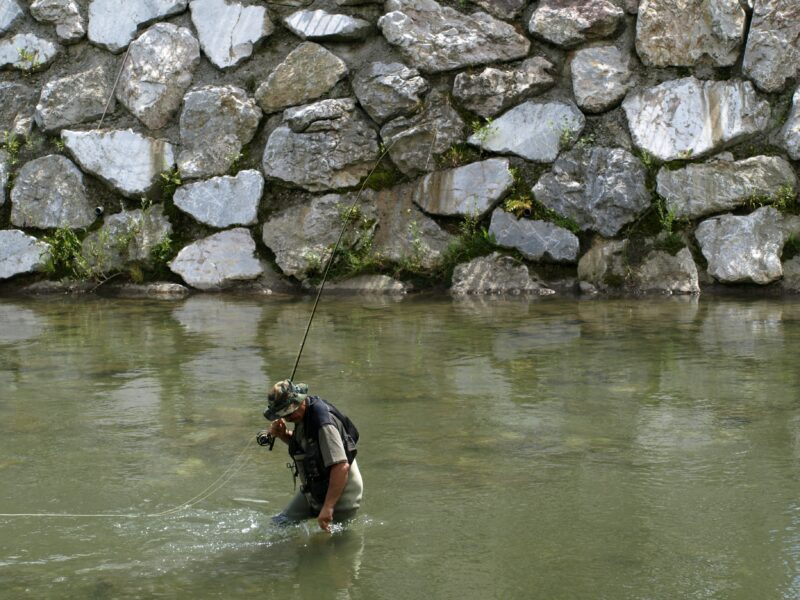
323	449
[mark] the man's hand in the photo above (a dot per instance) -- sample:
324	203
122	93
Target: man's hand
278	429
325	517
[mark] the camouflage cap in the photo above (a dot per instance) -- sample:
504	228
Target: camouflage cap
283	398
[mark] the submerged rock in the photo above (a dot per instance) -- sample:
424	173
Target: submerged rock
21	253
228	31
129	162
437	38
722	184
493	90
113	24
744	248
307	73
74	99
772	55
369	284
533	130
218	261
157	73
216	123
49	192
414	142
568	23
495	274
389	90
223	201
535	240
682	34
601	189
689	118
335	129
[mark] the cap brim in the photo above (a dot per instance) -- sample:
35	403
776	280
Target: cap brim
272	415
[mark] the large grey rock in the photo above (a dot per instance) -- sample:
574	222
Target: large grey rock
567	23
680	33
688	118
790	134
504	9
223	201
416	140
302	236
601	77
17	105
27	52
21	253
159	69
722	184
228	30
493	90
437	38
536	131
64	14
389	90
218	261
404	234
535	240
321	25
215	125
49	192
744	248
601	189
495	274
113	24
126	237
473	189
307	73
773	44
333	129
10	11
74	99
5	169
665	273
127	161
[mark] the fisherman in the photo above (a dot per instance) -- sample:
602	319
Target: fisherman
322	446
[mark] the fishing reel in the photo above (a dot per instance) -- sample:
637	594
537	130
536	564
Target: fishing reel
265	438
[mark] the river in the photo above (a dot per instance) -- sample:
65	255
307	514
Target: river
603	449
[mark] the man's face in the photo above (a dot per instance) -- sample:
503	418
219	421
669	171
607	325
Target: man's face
294	417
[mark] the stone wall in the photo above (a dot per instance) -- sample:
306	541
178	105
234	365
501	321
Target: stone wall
599	145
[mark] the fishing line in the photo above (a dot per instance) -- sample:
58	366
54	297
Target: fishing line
239	462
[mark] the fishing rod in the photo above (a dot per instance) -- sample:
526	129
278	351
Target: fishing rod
264	437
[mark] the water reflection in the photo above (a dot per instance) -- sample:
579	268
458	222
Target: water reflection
580	449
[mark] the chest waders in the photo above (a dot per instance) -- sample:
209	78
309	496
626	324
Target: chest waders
317	475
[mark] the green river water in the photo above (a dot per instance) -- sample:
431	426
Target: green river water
625	449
